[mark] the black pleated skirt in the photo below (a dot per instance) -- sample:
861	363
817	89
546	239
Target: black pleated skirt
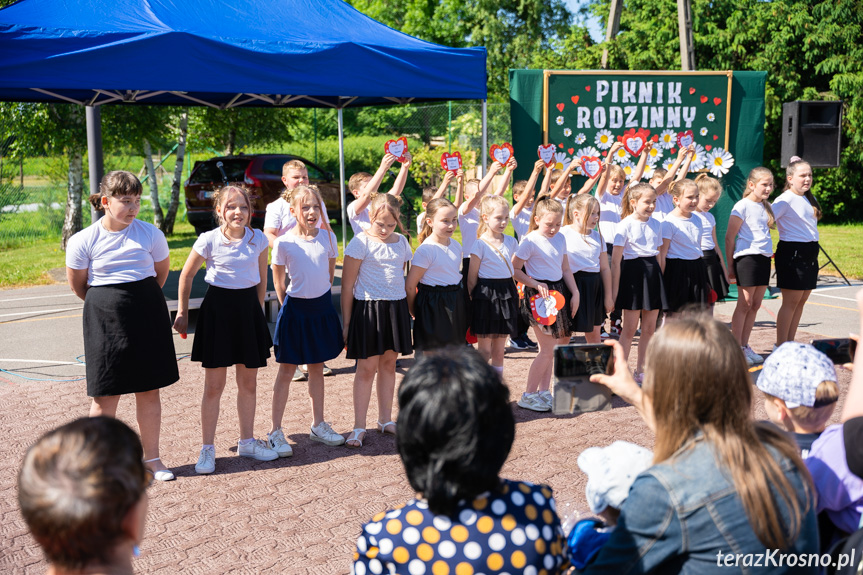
752	270
308	331
562	326
641	285
715	277
686	284
494	308
591	305
377	326
797	265
128	344
231	329
441	318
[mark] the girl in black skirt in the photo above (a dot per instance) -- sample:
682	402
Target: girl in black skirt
709	191
375	307
797	213
118	266
231	329
494	299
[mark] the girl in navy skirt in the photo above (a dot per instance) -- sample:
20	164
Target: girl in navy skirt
797	213
494	299
433	284
585	248
542	255
709	191
231	327
685	275
748	238
308	330
375	307
636	270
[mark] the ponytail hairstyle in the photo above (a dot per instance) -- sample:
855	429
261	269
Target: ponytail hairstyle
676	189
431	209
486	207
220	198
296	195
387	203
115	184
583	204
796	162
755	176
708	185
543	205
633	194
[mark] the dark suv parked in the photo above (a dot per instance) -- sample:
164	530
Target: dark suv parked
261	174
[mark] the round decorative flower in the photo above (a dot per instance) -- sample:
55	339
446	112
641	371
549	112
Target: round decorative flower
703	131
711	116
561	161
628	167
667	163
719	161
567	132
667	139
559	120
699	159
648	171
580	138
589	151
604	139
654	155
621	155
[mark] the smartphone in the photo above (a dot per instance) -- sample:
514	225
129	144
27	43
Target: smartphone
573	365
839	350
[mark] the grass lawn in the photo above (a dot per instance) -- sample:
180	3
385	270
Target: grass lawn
844	243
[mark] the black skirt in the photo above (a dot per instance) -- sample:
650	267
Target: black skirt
641	286
752	270
440	318
231	329
128	344
686	284
562	326
377	326
308	331
591	302
494	308
797	265
715	276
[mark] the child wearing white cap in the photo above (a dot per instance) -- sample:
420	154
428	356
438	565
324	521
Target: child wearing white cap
610	473
800	391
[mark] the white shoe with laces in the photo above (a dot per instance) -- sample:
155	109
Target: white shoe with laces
277	442
206	461
751	357
323	433
256	449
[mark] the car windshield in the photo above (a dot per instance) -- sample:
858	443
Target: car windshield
209	172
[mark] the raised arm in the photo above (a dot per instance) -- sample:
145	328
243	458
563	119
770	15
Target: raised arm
511	165
485	182
642	161
365	195
672	172
567	172
588	185
459	187
546	182
447	180
399	185
603	181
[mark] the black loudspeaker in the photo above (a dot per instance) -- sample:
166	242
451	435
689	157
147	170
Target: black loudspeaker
813	131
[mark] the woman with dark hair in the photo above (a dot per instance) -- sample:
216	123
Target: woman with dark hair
455	431
82	490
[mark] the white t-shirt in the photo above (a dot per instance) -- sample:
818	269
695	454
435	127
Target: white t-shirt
664	206
685	236
441	263
639	239
708	222
232	264
543	257
360	222
491	265
583	251
520	222
279	216
307	262
753	238
117	257
468	222
562	200
381	275
609	215
795	218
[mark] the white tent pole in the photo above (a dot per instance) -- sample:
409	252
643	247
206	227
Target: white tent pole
484	136
342	180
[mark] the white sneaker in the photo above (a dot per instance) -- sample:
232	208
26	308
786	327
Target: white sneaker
206	461
325	434
299	375
277	442
533	402
546	398
256	449
751	357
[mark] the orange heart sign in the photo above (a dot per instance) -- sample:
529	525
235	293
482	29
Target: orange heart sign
397	148
546	154
545	310
519	287
451	162
590	165
501	153
685	138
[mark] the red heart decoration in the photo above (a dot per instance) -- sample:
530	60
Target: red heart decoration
692	90
540	310
655	138
715	137
708	147
574	99
590	165
703	99
587	88
685	138
604	153
501	153
717	101
560	146
397	148
570	150
634	140
546	154
451	162
560	107
673	150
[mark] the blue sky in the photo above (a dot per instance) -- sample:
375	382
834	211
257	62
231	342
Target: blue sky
593	24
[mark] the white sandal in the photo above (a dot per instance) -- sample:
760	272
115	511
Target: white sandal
382	427
162	474
355	436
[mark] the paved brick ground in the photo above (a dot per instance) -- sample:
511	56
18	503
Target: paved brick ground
298	515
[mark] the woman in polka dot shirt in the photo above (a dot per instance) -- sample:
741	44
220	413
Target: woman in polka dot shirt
455	431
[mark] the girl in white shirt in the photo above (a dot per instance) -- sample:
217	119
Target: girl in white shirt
436	297
585	249
542	255
709	191
636	270
494	299
797	213
308	330
375	307
231	328
118	266
748	238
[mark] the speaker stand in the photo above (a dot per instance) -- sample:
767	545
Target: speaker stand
831	262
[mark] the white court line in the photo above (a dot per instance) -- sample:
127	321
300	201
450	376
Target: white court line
852	286
37	297
41	361
832	296
41	312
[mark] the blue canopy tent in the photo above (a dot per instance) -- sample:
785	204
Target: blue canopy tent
307	53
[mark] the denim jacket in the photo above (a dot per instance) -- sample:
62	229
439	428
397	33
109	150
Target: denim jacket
684	516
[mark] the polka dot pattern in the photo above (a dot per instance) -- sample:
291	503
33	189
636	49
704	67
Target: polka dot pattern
514	529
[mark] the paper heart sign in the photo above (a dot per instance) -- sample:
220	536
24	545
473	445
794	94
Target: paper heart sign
519	287
451	162
703	99
685	138
591	165
546	154
560	107
545	310
634	140
501	153
397	148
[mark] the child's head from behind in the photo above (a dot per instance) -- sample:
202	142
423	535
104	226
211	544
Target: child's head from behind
709	191
494	215
294	173
119	195
441	218
800	386
357	181
385	215
546	217
582	210
611	471
684	194
639	199
616	179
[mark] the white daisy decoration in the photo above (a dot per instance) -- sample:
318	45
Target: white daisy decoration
589	151
621	155
699	159
648	171
719	161
561	161
580	139
703	131
667	163
654	155
567	132
628	167
667	139
559	120
711	116
604	139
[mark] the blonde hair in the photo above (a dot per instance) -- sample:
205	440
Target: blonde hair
705	387
301	191
472	184
543	205
707	185
221	196
755	176
615	172
387	203
661	173
518	187
676	189
633	194
555	177
114	184
431	209
789	172
486	207
428	194
292	165
356	181
815	418
583	204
